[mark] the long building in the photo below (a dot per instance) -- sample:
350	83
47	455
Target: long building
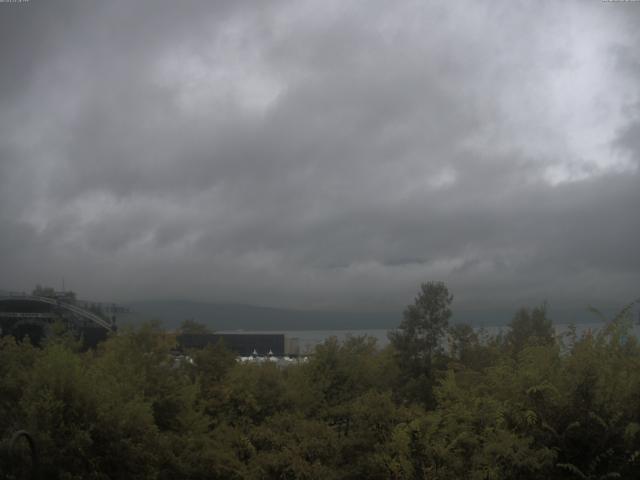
244	344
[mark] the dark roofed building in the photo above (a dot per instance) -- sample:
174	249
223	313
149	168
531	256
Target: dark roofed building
243	344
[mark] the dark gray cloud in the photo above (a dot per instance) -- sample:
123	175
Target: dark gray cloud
321	154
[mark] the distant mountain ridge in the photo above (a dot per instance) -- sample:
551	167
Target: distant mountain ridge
224	316
228	316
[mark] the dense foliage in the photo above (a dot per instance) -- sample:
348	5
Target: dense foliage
526	405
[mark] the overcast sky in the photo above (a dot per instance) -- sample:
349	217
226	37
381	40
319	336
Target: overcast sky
322	154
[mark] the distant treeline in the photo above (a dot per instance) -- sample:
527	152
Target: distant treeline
521	405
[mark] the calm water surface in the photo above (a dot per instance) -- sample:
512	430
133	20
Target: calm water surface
308	339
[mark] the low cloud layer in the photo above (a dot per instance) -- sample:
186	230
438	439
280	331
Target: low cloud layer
322	154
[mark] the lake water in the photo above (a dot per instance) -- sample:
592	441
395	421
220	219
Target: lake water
308	339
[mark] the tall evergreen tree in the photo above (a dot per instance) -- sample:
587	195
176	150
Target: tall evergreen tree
418	338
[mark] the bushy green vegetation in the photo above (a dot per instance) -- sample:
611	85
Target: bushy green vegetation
525	405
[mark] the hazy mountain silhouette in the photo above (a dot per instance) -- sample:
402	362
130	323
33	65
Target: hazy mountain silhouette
228	316
224	316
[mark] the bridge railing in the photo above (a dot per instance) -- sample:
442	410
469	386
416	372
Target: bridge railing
67	306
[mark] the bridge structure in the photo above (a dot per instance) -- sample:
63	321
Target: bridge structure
32	315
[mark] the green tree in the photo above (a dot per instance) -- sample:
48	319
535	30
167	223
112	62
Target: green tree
289	446
192	327
462	340
530	327
339	372
209	368
418	338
